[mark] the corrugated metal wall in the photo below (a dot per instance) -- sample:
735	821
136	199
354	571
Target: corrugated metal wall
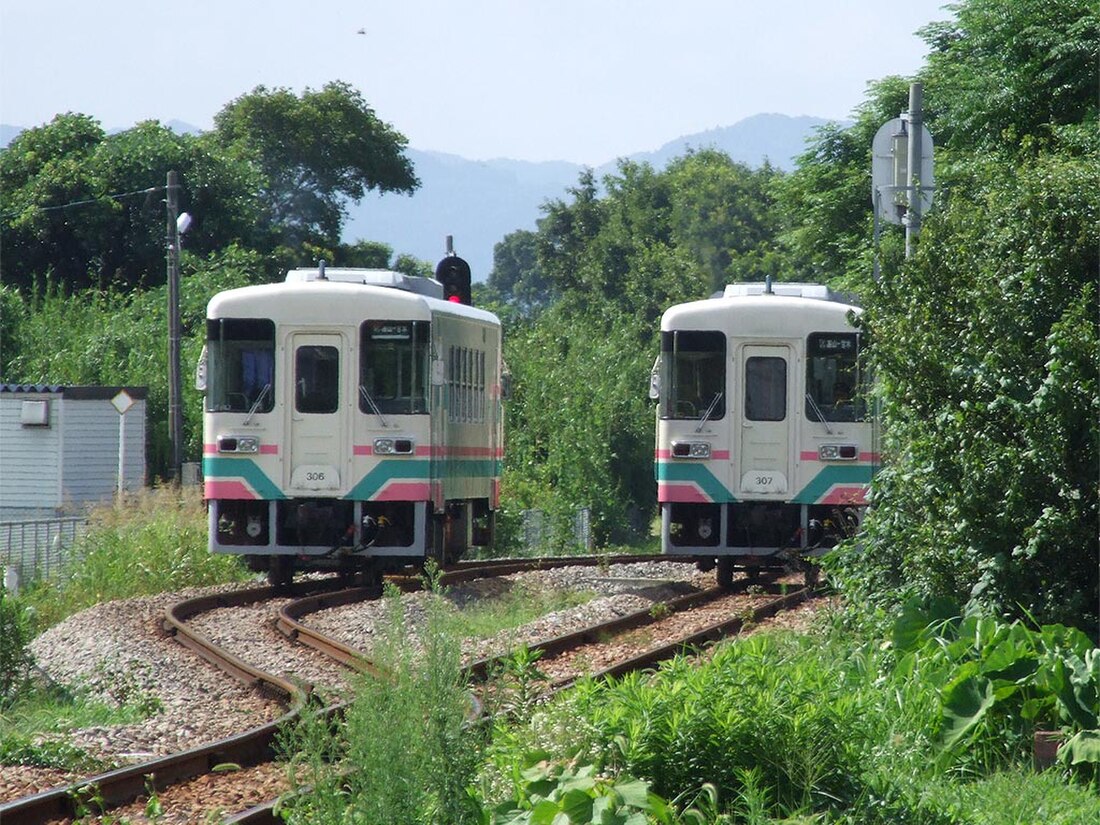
30	457
90	432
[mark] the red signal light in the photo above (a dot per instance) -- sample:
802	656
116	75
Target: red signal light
454	275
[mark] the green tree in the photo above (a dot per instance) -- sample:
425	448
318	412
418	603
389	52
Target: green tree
315	151
516	277
1002	71
985	342
88	208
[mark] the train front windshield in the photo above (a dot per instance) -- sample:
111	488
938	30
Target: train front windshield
241	365
835	380
394	367
693	374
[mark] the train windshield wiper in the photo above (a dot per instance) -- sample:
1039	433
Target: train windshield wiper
710	409
256	404
820	415
372	405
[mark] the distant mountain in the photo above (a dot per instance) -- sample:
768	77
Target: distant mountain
778	139
8	134
478	202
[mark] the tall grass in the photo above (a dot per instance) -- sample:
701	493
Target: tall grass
405	753
143	543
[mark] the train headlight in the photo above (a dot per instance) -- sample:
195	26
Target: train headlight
690	449
238	444
394	446
838	452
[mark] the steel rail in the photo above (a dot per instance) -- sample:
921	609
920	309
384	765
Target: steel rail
707	635
123	785
264	813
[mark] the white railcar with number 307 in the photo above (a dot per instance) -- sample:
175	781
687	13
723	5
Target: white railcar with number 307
765	446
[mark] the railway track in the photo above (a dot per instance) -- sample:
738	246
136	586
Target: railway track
255	747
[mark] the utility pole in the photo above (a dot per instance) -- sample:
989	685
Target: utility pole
915	161
175	384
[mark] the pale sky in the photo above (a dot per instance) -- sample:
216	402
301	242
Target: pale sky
579	80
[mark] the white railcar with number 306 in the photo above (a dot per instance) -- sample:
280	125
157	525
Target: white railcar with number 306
353	420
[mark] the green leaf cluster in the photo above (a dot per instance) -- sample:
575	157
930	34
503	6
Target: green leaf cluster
999	681
551	793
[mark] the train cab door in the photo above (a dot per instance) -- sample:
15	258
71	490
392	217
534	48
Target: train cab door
765	454
319	414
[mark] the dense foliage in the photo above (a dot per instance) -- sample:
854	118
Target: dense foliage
986	342
985	339
783	725
579	428
87	209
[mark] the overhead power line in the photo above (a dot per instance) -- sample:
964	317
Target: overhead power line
116	196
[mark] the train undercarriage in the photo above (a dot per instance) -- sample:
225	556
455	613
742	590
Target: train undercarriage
353	538
753	537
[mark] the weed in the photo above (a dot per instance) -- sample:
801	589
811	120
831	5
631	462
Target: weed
15	661
521	682
405	751
660	610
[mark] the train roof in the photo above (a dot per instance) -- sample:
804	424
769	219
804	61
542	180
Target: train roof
818	292
755	310
372	277
343	296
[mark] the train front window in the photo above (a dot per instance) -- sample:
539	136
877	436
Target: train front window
316	379
394	367
693	375
240	365
835	382
765	388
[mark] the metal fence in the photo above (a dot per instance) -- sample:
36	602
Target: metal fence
33	550
542	533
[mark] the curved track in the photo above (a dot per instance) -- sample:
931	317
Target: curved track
256	746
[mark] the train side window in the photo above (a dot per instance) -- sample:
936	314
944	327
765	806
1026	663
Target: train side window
240	365
394	359
765	388
316	379
835	381
693	374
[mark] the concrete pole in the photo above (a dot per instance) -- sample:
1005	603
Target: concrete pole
175	382
121	453
913	182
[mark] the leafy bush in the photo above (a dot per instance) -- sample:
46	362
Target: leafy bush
14	658
551	792
998	682
777	709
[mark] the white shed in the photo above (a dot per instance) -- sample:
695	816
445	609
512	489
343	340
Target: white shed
59	447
